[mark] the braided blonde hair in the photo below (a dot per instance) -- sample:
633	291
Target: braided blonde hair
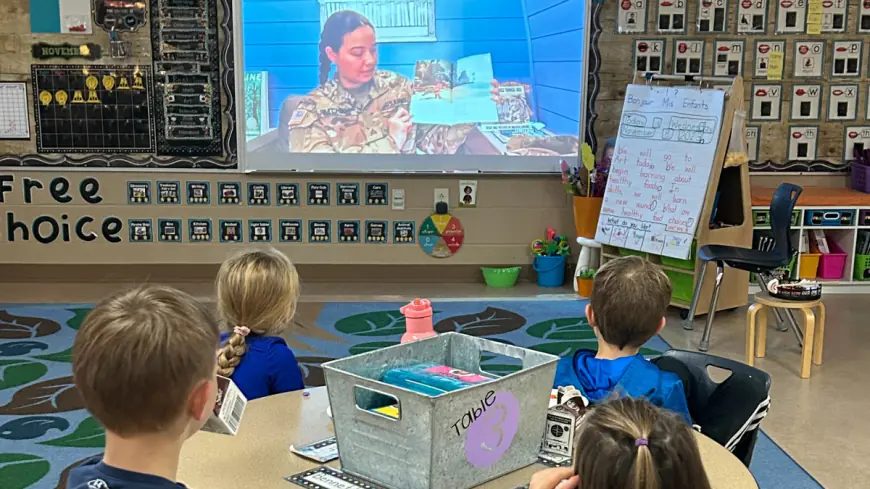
258	290
631	444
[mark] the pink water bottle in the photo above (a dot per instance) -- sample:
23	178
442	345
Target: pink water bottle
418	320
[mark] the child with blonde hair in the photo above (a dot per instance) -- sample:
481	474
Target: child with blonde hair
630	444
257	292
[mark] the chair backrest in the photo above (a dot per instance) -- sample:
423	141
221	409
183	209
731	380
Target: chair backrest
744	440
781	207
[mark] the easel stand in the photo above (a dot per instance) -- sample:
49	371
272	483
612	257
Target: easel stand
732	209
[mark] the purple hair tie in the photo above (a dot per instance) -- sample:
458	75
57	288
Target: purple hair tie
641	442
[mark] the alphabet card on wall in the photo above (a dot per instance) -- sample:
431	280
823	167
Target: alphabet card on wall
688	56
763	50
662	161
671	16
729	58
631	17
766	102
648	55
842	102
806	101
752	135
846	58
791	16
864	17
803	143
834	15
809	58
855	138
712	16
752	16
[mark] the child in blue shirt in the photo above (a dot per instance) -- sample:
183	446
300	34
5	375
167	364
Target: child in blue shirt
257	292
629	298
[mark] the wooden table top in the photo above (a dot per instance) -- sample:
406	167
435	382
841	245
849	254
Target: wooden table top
812	196
259	455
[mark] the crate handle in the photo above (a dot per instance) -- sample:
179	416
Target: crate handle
831	215
367	399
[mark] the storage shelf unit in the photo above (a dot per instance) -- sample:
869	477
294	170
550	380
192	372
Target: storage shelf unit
845	235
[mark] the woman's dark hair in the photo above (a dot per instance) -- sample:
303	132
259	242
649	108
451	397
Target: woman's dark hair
335	28
631	444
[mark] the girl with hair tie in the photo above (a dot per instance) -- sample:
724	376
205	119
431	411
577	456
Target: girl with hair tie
362	109
630	444
257	293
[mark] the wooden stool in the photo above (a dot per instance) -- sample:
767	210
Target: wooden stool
813	338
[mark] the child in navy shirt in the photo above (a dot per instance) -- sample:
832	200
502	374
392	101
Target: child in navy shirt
144	364
257	293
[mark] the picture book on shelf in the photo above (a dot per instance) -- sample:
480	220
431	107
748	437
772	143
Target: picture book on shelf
449	93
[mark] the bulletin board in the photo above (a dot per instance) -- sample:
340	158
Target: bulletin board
803	64
121	85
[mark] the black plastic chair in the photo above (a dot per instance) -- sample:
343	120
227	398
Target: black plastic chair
756	381
753	261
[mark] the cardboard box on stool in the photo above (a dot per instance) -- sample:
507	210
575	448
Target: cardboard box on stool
228	408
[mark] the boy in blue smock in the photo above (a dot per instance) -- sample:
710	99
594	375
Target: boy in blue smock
629	298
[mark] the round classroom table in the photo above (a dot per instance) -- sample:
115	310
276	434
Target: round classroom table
259	455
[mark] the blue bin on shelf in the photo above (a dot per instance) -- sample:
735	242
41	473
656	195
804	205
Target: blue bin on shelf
551	270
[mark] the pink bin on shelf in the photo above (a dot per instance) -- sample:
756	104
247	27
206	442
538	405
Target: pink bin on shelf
832	265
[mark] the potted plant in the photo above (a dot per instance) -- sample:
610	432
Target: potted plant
585	183
584	282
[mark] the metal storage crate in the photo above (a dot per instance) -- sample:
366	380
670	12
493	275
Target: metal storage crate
457	440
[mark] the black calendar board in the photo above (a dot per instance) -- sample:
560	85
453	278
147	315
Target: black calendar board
184	39
93	109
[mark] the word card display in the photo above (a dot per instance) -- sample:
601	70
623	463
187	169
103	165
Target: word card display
93	109
231	230
376	194
842	102
763	50
376	231
649	55
766	102
168	192
138	192
662	162
169	230
258	194
803	143
230	193
347	193
403	231
328	478
729	58
631	16
806	102
260	230
198	193
14	112
688	56
184	37
319	232
752	16
855	138
287	193
847	58
348	231
199	230
791	16
318	194
712	15
809	58
291	230
671	16
140	230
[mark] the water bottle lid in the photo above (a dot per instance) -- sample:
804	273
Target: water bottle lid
417	308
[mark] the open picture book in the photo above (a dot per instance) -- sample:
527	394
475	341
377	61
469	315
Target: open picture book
449	93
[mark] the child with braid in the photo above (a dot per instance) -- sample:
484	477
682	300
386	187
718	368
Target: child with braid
630	444
257	292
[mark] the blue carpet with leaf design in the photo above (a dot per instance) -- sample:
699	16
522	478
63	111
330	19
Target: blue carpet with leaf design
45	430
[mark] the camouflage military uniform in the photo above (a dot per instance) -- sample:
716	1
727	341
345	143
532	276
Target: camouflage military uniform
332	120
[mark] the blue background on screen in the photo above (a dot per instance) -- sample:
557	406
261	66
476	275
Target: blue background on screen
538	42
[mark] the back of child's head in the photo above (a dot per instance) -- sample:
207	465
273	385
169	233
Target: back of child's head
140	354
631	444
257	292
630	296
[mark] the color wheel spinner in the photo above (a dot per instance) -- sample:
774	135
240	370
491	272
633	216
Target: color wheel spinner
441	235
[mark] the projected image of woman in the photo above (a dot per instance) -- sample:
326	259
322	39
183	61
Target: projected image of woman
362	109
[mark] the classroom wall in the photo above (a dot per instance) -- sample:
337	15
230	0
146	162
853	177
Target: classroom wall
556	30
282	36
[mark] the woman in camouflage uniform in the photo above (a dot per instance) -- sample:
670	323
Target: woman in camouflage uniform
363	109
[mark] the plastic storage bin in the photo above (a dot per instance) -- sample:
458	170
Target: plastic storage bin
551	270
829	217
864	217
438	442
687	264
682	285
809	265
861	177
500	277
833	264
861	270
761	218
